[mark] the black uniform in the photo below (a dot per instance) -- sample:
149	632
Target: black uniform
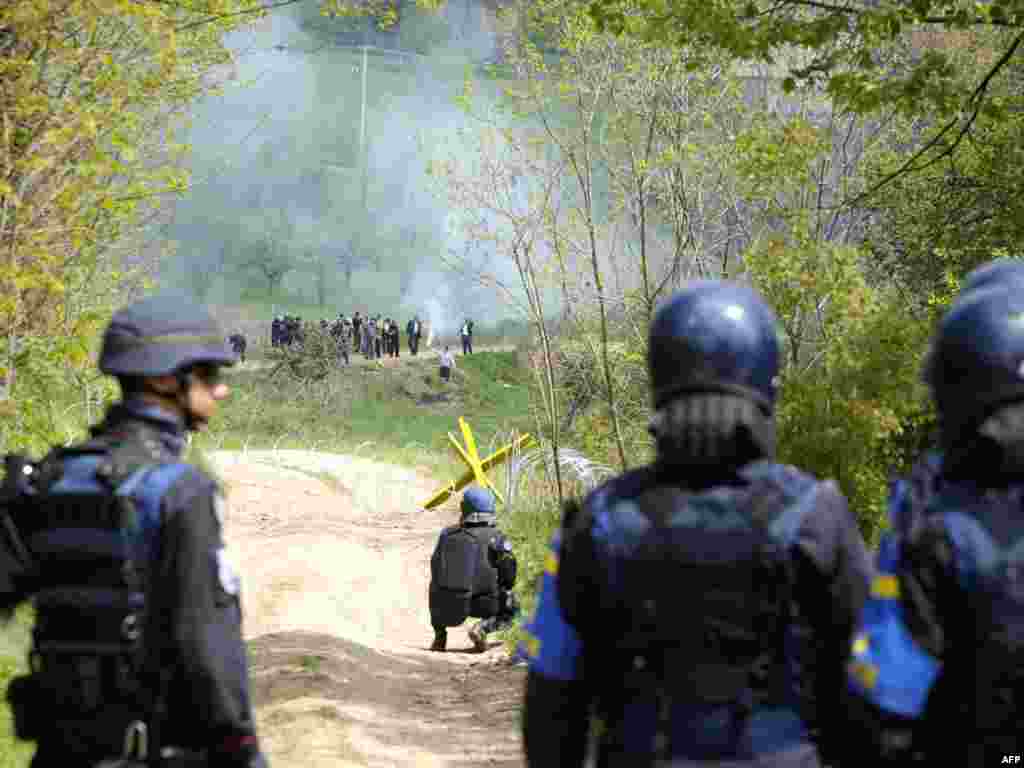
472	572
238	343
193	651
578	610
698	611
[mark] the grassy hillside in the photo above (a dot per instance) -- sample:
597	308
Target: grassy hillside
398	412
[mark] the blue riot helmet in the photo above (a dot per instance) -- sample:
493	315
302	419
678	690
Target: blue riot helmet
478	506
714	336
976	362
162	335
992	273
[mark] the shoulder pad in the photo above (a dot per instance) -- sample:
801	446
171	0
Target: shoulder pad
628	485
793	482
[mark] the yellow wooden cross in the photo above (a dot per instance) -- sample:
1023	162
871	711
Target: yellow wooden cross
477	467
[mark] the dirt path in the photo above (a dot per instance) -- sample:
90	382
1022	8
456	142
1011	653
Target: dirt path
334	555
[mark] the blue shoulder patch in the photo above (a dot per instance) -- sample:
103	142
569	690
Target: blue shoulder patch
887	666
552	647
147	487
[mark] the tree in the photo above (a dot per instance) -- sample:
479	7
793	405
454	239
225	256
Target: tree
847	42
944	221
90	95
505	196
268	241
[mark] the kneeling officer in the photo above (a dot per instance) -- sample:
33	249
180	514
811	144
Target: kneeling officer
472	572
137	656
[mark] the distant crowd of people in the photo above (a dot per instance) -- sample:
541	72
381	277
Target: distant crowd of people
370	335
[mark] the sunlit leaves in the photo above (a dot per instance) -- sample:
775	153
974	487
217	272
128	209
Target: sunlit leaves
851	385
384	13
854	48
88	90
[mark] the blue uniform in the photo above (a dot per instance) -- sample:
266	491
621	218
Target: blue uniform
590	655
938	659
191	609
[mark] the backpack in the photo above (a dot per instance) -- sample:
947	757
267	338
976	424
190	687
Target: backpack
90	528
892	676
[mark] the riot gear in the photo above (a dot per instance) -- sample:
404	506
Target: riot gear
714	337
478	506
976	361
992	273
162	335
472	572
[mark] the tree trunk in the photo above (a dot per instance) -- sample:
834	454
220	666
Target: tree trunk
550	395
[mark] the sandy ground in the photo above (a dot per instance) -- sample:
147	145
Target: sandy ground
334	554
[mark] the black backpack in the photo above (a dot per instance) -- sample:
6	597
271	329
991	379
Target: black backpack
88	527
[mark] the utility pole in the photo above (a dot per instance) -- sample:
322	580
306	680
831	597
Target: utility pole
364	149
364	159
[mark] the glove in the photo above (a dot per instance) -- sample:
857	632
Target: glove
238	752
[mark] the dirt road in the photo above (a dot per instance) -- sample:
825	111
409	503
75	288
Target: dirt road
334	555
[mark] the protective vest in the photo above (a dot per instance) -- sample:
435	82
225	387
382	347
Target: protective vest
92	531
693	635
896	675
463	582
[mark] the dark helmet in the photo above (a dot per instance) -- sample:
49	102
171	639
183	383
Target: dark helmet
478	505
714	336
162	335
976	361
995	272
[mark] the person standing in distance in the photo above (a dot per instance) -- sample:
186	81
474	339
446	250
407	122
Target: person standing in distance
137	653
698	611
466	334
446	362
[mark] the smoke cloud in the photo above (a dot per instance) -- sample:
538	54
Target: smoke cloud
278	173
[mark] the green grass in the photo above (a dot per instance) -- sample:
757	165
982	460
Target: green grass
311	663
529	525
14	642
392	414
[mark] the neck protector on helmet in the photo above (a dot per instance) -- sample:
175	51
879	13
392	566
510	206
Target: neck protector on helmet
991	454
712	429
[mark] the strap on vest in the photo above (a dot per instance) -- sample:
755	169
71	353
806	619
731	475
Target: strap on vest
127	460
742	688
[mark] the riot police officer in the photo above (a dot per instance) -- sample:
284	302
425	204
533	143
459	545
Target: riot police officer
472	572
137	652
697	611
953	555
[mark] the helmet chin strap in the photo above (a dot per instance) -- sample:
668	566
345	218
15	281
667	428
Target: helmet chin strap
181	396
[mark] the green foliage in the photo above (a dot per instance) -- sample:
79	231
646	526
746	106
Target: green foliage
56	394
14	643
583	393
850	388
91	93
849	49
398	413
953	216
529	524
